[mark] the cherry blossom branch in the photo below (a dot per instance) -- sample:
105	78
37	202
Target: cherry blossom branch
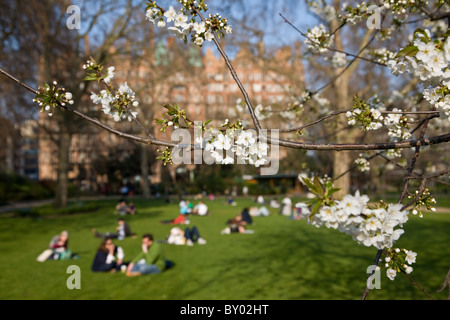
284	143
92	120
363	147
112	90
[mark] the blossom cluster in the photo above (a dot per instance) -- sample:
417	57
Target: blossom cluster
399	260
439	98
242	143
426	59
424	199
339	60
51	96
318	39
362	163
369	116
377	226
353	15
115	103
382	55
184	22
401	6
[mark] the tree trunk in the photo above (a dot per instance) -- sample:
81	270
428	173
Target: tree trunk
145	186
62	184
341	160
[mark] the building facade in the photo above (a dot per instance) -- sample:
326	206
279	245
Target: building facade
198	81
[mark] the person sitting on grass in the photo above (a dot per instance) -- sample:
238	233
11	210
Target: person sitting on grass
58	249
122	231
200	209
121	208
151	260
109	257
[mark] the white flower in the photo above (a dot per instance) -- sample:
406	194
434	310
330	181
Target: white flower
223	142
438	62
427	51
411	257
198	41
199	27
373	224
327	214
262	149
180	20
170	14
246	138
408	269
391	273
209	36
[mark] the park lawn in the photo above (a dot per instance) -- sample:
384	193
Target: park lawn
283	260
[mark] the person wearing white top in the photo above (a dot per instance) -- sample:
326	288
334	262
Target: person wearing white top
201	209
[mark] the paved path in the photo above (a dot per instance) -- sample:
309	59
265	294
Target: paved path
32	204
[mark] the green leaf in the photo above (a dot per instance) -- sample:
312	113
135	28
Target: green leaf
422	32
318	185
316	207
408	51
309	184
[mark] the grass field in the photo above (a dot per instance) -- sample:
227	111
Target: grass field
282	260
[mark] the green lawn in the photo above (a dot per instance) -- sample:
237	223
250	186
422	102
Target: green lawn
282	260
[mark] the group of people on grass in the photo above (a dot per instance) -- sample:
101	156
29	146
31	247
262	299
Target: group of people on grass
109	257
123	208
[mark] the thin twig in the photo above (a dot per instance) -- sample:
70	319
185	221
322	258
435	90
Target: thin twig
236	78
356	56
418	286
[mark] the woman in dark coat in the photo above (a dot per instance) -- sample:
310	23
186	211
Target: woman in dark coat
109	257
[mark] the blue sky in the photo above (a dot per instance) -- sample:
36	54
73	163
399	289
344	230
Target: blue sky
276	30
